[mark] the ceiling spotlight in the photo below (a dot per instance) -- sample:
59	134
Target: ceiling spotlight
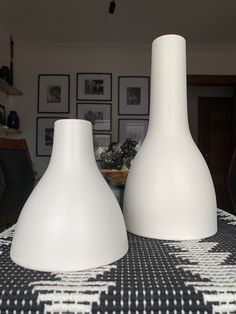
112	7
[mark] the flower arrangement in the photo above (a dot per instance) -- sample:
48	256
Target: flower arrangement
119	155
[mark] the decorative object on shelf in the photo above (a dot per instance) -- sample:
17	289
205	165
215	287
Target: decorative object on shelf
94	86
11	60
169	193
72	220
13	120
99	114
44	135
118	155
133	95
5	73
8	89
135	129
53	93
2	115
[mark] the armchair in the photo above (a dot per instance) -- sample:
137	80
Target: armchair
16	178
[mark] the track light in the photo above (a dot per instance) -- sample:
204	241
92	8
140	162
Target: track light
112	7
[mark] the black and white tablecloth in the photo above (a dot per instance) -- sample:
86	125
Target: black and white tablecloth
154	277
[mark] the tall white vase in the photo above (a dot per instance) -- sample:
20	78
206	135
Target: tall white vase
169	192
72	220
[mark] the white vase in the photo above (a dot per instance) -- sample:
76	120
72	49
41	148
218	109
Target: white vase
72	220
169	192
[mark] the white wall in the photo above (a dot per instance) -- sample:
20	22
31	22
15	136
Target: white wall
211	60
31	60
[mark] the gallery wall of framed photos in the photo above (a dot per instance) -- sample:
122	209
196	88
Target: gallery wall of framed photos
133	107
53	98
93	102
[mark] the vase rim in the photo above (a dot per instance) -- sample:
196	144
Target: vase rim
168	36
73	121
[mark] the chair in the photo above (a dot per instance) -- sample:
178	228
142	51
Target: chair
16	178
231	180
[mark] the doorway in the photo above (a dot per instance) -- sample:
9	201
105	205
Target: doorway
216	142
216	130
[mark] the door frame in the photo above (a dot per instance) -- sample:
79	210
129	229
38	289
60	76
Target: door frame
216	80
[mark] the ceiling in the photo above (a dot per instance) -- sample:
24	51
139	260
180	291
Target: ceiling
202	22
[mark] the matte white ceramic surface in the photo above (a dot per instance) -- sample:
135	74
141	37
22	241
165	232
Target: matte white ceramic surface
169	192
72	220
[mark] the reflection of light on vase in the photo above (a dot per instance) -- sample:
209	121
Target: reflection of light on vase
72	220
169	192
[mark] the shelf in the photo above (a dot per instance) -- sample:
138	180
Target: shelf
8	89
6	130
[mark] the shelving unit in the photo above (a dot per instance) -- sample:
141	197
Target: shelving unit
8	131
8	89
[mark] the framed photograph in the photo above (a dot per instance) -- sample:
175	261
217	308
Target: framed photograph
2	115
97	113
101	140
53	93
133	95
94	86
44	135
135	129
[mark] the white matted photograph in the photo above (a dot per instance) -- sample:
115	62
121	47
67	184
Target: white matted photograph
44	135
133	95
135	129
102	141
53	93
94	86
97	113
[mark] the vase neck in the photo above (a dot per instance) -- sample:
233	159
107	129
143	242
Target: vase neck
72	144
168	110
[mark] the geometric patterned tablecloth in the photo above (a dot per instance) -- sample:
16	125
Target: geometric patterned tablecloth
156	276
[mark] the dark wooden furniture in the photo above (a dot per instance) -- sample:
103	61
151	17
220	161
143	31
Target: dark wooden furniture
232	180
16	178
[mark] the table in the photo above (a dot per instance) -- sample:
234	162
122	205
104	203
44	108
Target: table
156	276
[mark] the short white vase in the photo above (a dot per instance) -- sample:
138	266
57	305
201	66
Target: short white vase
169	192
72	220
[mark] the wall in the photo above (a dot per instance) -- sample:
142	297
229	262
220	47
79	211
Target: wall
30	60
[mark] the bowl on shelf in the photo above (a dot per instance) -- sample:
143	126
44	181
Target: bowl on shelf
115	176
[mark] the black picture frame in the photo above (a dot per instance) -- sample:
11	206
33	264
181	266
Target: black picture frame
102	144
133	95
53	93
44	138
93	86
99	114
141	126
